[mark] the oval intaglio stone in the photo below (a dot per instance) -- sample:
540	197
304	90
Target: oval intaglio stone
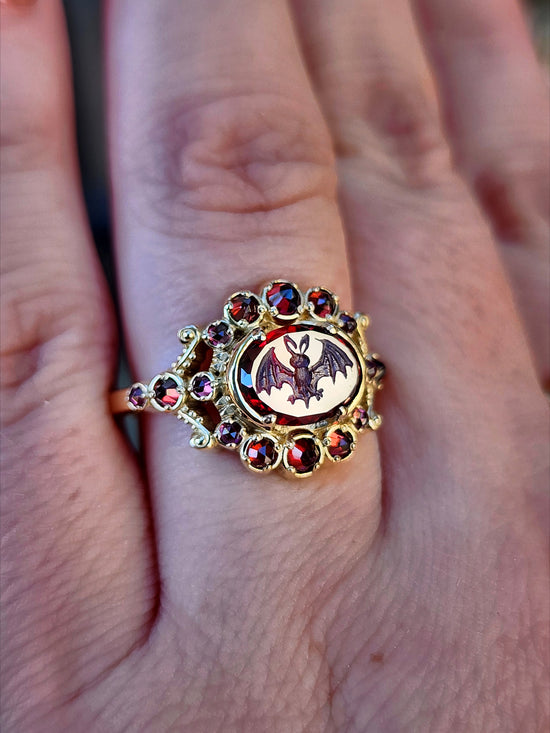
300	373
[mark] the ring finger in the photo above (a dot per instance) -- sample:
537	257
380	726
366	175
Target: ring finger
223	178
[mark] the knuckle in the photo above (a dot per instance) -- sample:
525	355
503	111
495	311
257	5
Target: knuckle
48	337
401	131
514	190
249	154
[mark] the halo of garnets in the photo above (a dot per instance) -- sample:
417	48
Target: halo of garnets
283	306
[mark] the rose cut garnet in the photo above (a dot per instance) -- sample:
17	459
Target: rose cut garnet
219	333
341	444
261	453
243	307
360	418
375	369
202	387
166	392
304	455
322	302
137	397
230	434
347	322
284	297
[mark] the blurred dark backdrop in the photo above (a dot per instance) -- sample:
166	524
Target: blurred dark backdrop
85	30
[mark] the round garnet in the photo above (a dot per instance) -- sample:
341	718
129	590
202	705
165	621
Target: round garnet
201	387
244	307
375	368
230	434
284	297
261	453
219	333
166	392
360	418
347	322
137	397
341	444
304	455
322	302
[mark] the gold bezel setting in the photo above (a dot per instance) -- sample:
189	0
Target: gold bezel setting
285	379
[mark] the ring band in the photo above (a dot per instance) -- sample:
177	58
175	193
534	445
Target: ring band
285	378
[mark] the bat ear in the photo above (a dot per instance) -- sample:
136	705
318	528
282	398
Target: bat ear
304	343
290	345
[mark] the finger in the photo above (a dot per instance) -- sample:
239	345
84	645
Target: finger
423	261
73	554
497	112
223	179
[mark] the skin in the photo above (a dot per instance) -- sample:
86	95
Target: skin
395	152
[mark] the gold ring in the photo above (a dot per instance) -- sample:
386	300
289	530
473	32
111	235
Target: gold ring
284	378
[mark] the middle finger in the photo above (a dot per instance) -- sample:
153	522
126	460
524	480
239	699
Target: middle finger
223	169
223	179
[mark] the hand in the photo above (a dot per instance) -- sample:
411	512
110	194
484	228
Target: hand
404	591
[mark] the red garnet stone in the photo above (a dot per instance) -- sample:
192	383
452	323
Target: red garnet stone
138	397
284	297
347	322
202	387
375	369
230	433
304	455
341	442
219	333
244	307
261	453
360	418
166	391
322	303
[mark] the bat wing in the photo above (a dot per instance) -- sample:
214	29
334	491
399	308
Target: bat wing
332	361
272	373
